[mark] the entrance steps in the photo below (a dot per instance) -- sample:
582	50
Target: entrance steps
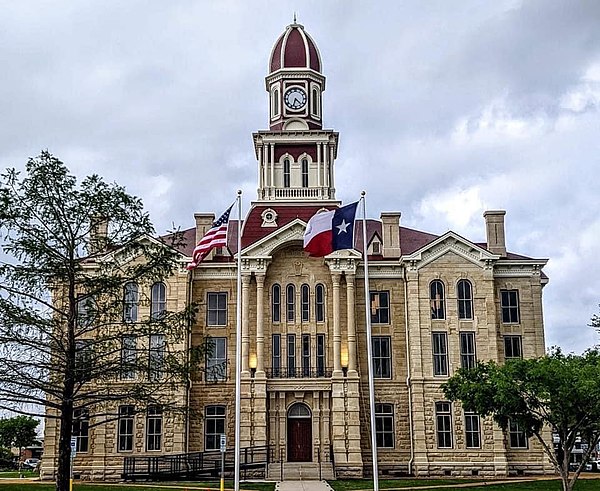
300	471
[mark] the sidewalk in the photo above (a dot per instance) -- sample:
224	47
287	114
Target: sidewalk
302	486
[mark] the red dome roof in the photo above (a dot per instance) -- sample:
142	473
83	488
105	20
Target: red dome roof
295	49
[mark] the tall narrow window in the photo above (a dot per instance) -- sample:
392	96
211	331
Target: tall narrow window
443	418
291	355
465	300
509	302
286	173
305	303
518	438
276	303
216	360
304	173
276	355
156	356
154	421
275	103
436	296
315	102
81	428
472	431
158	300
512	347
84	359
320	355
382	357
214	426
130	302
216	311
320	303
86	310
128	357
125	428
380	307
384	425
467	350
290	303
440	353
306	355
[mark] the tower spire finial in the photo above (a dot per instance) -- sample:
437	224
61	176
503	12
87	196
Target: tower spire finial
294	17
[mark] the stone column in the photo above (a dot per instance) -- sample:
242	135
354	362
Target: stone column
350	305
260	335
337	336
272	159
245	322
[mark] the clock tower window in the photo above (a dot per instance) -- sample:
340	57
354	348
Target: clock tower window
315	102
275	103
304	173
286	173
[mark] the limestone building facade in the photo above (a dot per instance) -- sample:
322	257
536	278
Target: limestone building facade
437	303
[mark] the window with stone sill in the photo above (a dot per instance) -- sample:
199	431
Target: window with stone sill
468	358
512	347
472	430
382	357
436	297
276	303
509	303
517	436
380	307
216	309
440	353
384	425
158	300
320	303
464	294
216	359
154	423
125	428
81	422
214	426
443	420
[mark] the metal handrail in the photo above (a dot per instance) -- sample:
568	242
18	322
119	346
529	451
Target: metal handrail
299	372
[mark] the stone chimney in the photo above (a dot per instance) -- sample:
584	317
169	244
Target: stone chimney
390	230
494	229
98	234
204	222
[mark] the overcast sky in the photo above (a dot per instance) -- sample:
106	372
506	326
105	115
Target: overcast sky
445	109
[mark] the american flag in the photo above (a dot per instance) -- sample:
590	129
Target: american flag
215	237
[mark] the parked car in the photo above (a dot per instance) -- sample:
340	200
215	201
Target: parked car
30	463
7	465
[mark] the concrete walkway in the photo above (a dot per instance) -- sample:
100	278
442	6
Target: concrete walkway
302	486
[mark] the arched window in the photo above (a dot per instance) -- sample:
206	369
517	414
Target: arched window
275	103
320	303
276	303
130	302
298	410
158	300
436	296
315	102
464	294
304	173
290	294
305	303
286	173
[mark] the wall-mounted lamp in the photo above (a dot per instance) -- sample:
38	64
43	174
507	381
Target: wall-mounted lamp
252	364
344	360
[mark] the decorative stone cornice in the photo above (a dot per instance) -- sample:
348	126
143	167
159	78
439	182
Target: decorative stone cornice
283	385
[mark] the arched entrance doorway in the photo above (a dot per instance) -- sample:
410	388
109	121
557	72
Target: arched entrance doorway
299	433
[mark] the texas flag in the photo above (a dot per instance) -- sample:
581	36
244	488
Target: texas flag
330	231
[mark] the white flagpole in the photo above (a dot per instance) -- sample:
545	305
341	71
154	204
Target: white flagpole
238	346
369	347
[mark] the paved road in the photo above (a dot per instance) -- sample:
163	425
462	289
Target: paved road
302	486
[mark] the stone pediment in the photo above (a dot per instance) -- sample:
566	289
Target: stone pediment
450	242
289	233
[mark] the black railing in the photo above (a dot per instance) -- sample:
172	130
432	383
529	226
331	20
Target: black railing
299	372
197	464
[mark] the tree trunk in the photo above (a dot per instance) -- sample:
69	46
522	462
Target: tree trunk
63	474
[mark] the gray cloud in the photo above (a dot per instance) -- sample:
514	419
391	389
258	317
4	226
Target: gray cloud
443	109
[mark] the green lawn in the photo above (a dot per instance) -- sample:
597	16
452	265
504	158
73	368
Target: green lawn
15	474
554	485
197	486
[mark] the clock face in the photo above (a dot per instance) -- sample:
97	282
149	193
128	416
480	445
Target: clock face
295	98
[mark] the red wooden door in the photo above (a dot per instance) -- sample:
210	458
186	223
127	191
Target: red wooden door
299	440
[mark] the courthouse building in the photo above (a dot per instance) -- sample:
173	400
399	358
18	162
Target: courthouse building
437	303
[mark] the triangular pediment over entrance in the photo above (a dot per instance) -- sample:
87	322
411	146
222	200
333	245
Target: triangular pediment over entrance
450	242
292	232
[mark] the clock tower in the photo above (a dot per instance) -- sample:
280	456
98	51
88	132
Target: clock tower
296	155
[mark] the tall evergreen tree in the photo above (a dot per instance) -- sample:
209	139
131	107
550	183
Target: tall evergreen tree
73	253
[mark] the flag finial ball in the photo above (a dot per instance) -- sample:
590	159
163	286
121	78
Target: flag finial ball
239	192
362	193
